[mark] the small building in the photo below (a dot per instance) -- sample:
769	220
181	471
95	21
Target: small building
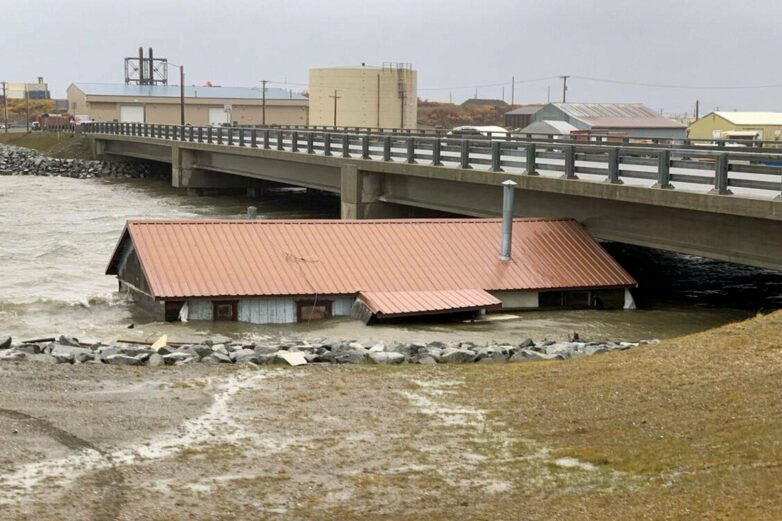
297	271
366	96
549	127
761	126
485	102
630	119
38	90
203	105
521	117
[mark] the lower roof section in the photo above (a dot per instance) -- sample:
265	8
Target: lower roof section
399	303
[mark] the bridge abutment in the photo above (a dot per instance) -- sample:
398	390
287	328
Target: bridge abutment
360	196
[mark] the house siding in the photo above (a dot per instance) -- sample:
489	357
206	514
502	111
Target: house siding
271	310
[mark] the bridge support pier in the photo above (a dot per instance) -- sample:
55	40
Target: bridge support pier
185	173
360	194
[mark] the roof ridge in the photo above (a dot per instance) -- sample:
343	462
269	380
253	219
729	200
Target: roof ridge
344	221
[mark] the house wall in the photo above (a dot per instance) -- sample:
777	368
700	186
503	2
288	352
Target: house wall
517	299
269	310
706	126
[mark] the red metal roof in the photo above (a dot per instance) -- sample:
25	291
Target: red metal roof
255	258
394	303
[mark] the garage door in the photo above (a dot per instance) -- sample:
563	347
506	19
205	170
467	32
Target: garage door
131	114
218	115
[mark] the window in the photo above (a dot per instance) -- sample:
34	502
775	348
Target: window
550	299
173	307
307	310
224	309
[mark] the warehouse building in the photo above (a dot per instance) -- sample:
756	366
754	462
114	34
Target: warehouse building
520	117
297	271
37	90
203	105
626	119
364	96
762	126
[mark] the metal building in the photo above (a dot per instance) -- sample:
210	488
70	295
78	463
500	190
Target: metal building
37	90
364	96
628	119
761	126
521	117
203	105
294	271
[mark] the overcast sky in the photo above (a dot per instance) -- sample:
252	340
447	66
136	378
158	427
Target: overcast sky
455	45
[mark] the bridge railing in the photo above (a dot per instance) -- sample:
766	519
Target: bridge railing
662	168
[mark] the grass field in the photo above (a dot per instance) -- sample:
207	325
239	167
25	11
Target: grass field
56	144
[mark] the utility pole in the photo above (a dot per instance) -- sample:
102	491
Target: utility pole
503	93
564	88
27	107
696	109
404	105
5	107
263	102
181	93
548	94
513	90
335	106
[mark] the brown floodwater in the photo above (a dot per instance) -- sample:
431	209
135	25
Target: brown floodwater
57	234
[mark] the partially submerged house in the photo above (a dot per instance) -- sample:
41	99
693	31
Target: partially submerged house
292	271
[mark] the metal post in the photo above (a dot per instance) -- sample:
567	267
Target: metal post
345	145
465	154
181	92
570	162
310	142
219	135
280	143
721	175
663	170
5	107
266	139
365	147
27	107
386	148
496	156
209	134
263	102
254	138
508	190
182	133
230	136
411	150
613	166
436	152
531	151
326	144
294	141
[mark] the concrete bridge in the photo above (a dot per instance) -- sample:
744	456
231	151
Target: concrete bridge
724	204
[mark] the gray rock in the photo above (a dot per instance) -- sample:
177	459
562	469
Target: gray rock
454	355
5	342
527	342
13	354
69	354
244	355
68	341
379	357
266	349
155	360
426	360
122	359
177	356
353	356
32	349
202	350
492	354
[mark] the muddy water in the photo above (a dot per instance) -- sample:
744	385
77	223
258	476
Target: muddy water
56	236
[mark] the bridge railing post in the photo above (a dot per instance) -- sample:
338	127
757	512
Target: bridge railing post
721	175
254	137
663	169
411	150
280	140
191	133
437	152
200	134
326	144
294	141
241	137
496	156
532	165
365	147
219	135
386	148
209	136
266	145
570	162
613	166
310	142
465	154
345	145
230	136
176	133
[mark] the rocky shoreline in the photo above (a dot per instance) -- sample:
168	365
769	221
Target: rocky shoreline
297	352
24	161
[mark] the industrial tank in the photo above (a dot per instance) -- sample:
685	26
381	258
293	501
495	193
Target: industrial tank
364	96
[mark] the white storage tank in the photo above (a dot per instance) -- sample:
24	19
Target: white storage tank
364	96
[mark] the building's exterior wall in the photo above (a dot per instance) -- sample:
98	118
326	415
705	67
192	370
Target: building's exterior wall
517	299
368	97
711	126
269	310
167	110
33	90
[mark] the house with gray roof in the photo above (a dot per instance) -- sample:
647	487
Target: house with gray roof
629	119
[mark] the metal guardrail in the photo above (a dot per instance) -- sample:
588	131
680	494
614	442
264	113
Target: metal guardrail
657	167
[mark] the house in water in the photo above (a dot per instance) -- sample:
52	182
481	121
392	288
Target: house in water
292	271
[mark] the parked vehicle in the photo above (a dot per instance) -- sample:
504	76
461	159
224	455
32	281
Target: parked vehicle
81	119
35	126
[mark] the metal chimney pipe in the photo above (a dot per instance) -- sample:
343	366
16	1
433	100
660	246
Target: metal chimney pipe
252	212
507	218
141	80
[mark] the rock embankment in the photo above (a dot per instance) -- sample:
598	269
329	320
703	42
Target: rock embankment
24	161
298	352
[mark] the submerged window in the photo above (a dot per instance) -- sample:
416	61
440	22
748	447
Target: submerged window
224	309
307	310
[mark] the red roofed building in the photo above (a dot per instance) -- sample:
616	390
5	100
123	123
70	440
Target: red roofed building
287	271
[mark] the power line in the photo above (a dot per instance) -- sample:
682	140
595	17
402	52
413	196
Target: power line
673	86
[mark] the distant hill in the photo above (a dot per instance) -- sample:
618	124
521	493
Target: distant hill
449	115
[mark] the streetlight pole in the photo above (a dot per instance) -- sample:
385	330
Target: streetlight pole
263	103
182	94
5	107
27	107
